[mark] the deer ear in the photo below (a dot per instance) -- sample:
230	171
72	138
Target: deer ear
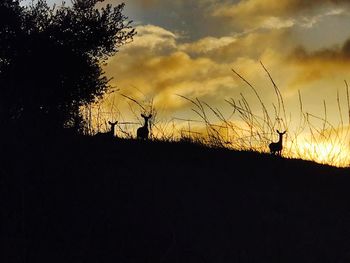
277	131
110	123
284	132
143	116
150	116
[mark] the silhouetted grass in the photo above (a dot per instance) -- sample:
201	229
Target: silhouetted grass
309	136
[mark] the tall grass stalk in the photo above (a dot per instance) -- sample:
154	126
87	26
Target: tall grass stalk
309	136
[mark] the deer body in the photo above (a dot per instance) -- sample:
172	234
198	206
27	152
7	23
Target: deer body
110	133
142	132
276	147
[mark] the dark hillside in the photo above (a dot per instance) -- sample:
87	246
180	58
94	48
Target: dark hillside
89	200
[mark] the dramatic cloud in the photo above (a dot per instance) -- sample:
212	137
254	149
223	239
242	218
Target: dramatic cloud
164	70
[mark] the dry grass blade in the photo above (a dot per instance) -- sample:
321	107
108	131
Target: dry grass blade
134	100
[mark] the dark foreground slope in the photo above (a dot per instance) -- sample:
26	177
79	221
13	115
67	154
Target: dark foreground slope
86	200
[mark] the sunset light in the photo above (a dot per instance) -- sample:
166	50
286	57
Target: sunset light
303	45
325	153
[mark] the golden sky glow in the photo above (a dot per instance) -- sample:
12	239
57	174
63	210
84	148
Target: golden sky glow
188	47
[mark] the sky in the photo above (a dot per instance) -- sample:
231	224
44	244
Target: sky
188	48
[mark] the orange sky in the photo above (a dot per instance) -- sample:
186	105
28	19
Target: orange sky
188	47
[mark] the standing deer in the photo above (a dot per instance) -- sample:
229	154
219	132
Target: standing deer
276	147
110	133
142	132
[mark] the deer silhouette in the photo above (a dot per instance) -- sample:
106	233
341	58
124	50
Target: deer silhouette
276	147
142	132
110	133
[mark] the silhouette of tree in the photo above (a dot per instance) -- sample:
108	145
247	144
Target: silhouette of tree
51	59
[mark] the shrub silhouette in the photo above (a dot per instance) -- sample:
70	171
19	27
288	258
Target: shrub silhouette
50	59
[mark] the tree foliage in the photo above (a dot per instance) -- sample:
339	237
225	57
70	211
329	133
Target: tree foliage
51	58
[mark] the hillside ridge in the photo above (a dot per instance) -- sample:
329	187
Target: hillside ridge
89	200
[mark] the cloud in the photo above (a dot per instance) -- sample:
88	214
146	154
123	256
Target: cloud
335	54
250	45
153	37
156	64
165	76
163	62
208	44
189	17
161	66
277	14
277	23
195	69
258	8
324	65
